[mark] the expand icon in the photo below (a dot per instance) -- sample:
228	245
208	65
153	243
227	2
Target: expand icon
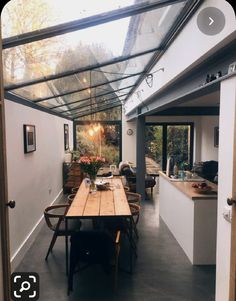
25	286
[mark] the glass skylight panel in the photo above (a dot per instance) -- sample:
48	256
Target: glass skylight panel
99	101
94	102
51	103
32	92
94	109
111	114
90	46
20	17
102	91
71	56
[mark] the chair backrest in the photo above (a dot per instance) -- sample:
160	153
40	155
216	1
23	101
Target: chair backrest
93	246
133	197
74	189
135	210
126	188
210	169
59	216
71	197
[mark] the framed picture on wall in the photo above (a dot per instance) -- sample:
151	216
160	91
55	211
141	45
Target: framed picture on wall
66	136
232	67
29	138
216	136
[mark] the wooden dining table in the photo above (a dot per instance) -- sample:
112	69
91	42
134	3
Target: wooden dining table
99	205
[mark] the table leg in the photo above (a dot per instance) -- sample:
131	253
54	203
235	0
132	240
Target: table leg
66	238
131	247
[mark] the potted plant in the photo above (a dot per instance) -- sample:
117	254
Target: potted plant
90	166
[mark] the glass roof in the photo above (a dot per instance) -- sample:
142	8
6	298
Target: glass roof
45	13
100	62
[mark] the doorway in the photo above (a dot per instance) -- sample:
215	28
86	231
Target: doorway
164	140
102	138
4	222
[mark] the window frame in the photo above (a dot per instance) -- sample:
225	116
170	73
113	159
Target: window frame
103	122
164	138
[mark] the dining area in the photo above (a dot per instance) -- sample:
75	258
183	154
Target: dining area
149	266
96	220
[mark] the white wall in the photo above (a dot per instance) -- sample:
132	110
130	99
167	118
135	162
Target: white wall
226	150
203	134
189	48
128	142
34	179
208	150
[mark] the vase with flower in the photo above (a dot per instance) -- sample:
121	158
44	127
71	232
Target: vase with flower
90	165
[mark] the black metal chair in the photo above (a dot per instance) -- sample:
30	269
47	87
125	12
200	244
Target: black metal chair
93	247
54	217
130	176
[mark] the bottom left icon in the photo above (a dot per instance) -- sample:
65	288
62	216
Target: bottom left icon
25	286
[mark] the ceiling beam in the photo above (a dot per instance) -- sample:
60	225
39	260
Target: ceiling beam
80	100
27	103
102	84
93	106
95	103
87	22
115	60
189	111
95	96
99	109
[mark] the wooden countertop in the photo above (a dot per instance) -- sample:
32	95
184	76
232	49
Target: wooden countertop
187	189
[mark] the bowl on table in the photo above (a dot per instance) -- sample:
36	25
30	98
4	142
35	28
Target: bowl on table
102	184
201	188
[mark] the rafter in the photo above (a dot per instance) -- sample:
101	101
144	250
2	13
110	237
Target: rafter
80	100
76	25
86	113
95	103
115	60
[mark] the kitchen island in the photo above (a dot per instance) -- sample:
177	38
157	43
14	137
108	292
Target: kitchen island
191	217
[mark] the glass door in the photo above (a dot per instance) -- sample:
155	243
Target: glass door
166	140
100	139
179	145
154	144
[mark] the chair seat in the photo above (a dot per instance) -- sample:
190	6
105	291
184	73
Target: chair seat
149	182
130	175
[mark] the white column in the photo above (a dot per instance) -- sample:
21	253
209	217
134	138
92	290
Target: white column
226	150
128	141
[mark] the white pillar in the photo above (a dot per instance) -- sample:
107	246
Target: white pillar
128	141
226	151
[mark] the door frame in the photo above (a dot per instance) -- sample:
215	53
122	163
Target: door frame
102	122
232	279
164	138
4	218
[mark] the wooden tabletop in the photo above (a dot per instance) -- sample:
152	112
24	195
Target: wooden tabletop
105	203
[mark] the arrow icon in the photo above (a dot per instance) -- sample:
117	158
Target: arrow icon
211	21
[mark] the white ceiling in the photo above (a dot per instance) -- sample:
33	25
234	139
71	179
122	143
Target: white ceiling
209	100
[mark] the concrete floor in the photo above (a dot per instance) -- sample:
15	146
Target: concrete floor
162	272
